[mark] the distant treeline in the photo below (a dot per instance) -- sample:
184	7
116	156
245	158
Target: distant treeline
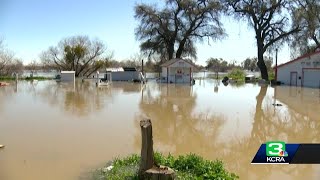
86	56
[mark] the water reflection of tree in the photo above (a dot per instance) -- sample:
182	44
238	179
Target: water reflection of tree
179	129
176	127
79	99
267	126
6	93
291	124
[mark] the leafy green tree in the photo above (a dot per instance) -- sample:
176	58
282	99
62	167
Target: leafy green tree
213	63
306	15
269	21
172	30
220	65
246	64
150	66
251	63
217	65
76	53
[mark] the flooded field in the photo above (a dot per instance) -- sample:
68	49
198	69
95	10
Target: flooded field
63	131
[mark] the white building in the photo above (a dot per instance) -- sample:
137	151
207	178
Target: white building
303	71
177	71
67	76
125	74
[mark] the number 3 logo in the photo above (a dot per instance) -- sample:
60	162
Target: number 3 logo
274	148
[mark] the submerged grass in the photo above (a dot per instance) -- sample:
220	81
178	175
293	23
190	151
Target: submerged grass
10	78
188	167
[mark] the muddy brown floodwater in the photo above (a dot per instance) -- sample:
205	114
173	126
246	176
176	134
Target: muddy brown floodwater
64	131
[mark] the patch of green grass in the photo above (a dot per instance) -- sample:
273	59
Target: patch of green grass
188	167
10	78
7	78
37	78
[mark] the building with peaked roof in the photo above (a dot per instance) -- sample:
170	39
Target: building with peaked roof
303	71
177	71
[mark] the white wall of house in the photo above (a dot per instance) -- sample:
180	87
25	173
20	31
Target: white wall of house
67	76
125	76
179	72
164	72
182	77
304	72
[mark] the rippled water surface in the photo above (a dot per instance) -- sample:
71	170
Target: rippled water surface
63	131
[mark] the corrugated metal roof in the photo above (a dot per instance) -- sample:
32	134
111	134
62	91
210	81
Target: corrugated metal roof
119	69
67	71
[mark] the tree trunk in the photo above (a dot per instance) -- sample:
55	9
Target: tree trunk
262	66
170	50
259	116
181	48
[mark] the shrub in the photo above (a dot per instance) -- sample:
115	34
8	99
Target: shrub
186	167
271	75
237	74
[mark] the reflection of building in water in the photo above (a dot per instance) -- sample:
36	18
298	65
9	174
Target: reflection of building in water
177	94
67	86
304	101
127	87
173	95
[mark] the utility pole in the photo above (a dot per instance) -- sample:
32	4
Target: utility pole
142	66
276	70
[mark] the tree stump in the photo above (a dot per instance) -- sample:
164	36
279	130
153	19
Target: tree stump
148	168
147	160
161	172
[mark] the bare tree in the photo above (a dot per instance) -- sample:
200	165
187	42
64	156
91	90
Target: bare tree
33	66
76	53
7	61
